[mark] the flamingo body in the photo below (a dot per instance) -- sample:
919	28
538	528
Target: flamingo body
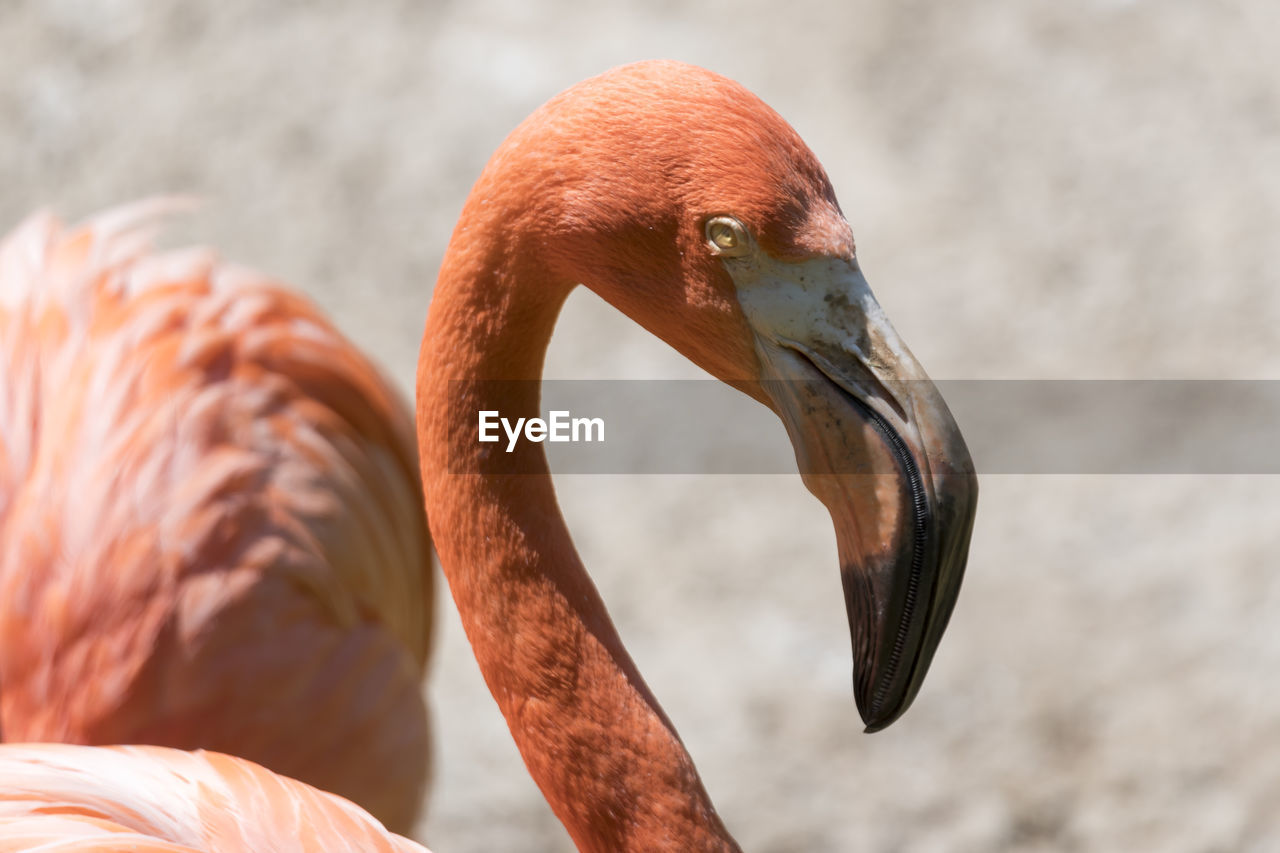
60	798
212	525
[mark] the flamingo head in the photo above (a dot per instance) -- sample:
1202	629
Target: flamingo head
686	202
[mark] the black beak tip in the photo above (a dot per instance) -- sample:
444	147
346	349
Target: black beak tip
880	721
876	716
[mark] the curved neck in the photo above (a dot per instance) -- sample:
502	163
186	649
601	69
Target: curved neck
594	739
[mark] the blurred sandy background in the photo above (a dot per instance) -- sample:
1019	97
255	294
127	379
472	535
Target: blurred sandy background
1084	190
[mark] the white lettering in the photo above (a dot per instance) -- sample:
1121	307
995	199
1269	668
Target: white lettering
512	434
558	427
487	423
587	424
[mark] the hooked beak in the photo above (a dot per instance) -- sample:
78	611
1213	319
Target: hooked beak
877	445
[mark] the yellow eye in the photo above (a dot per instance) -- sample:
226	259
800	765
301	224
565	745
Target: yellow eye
727	237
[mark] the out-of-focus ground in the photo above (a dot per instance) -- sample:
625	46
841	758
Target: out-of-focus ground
1039	190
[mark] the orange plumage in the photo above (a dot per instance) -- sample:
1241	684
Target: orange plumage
211	515
616	184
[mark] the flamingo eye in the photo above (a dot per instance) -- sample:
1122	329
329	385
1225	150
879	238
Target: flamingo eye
727	237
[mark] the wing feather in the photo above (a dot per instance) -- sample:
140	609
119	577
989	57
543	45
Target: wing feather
212	517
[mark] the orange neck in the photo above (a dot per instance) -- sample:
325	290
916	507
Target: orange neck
594	739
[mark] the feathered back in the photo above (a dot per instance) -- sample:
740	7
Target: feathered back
211	514
60	799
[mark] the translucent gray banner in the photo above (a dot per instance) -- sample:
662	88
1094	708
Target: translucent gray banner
1010	426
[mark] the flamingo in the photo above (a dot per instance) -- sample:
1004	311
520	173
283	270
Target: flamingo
685	202
211	516
60	798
